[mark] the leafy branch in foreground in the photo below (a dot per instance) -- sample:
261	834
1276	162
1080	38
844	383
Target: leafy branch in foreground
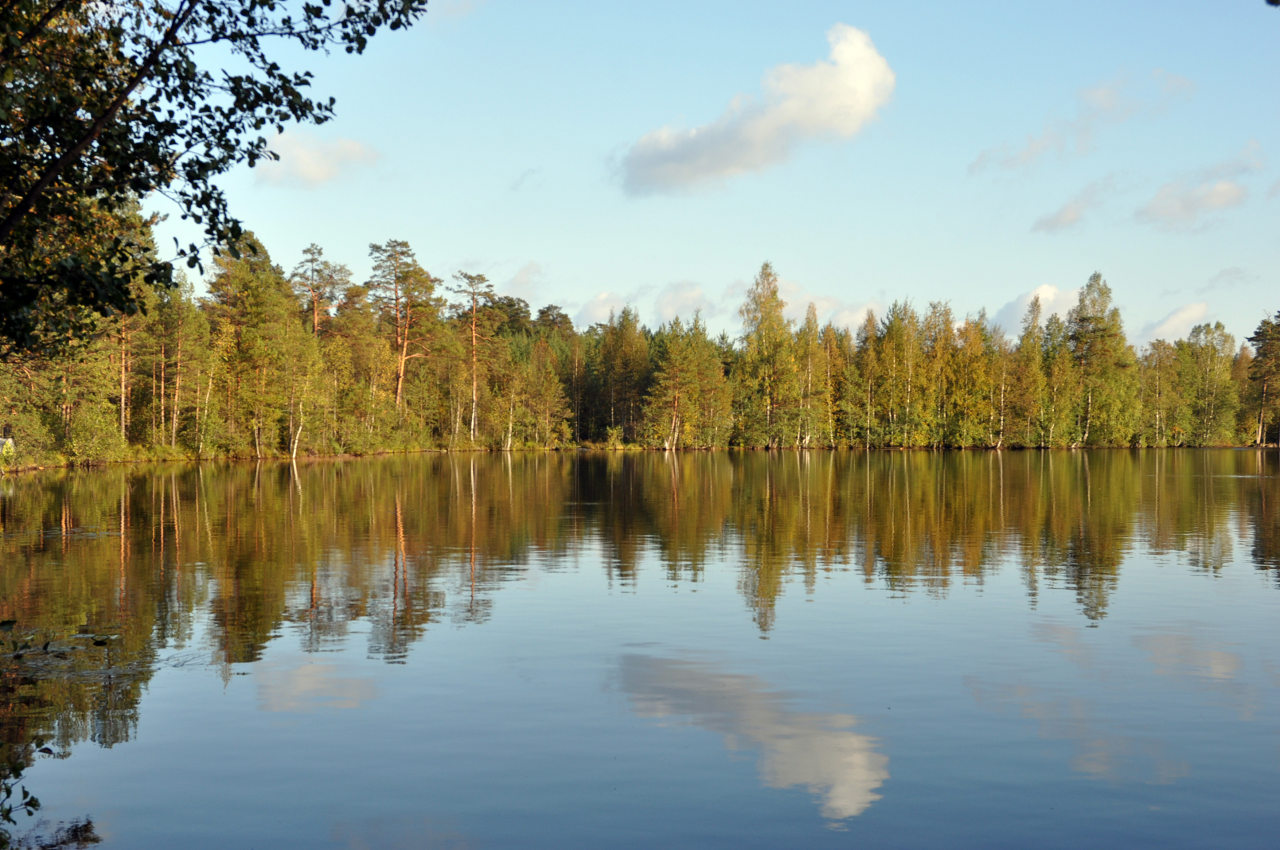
106	102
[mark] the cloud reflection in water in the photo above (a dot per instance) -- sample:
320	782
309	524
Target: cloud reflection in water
817	751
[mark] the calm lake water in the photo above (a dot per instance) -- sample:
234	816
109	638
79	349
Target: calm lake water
572	650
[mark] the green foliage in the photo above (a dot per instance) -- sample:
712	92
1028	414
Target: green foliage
105	103
93	436
688	403
1027	382
1265	373
767	388
623	373
311	364
1106	367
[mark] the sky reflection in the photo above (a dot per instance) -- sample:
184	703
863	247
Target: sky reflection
796	749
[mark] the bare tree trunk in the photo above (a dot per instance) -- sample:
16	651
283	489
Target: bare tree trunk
124	390
511	419
673	436
474	377
1000	436
162	395
204	423
1262	408
401	359
1088	415
177	388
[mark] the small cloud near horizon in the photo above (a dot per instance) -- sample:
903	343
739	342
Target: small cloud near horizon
525	282
307	161
834	98
599	308
683	299
841	312
1177	324
1052	301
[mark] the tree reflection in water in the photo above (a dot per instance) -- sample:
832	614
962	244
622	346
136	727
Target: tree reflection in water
117	568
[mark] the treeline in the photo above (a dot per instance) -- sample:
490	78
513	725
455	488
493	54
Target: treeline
311	362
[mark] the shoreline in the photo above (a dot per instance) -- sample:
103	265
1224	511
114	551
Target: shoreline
623	450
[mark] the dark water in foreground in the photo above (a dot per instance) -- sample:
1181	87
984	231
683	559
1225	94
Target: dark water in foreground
789	650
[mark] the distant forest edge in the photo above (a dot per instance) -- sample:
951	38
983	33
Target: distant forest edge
310	362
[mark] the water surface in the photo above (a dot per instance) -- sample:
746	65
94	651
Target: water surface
726	649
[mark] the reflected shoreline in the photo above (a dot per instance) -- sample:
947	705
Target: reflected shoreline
104	573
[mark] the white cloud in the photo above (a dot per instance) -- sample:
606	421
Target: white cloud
1177	324
1179	206
1107	103
841	312
307	161
527	280
599	308
1071	213
683	299
827	99
1052	301
1182	204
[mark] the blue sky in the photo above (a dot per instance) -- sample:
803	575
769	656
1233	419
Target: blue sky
600	154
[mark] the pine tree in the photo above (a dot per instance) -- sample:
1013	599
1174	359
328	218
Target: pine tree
252	309
405	293
688	400
624	374
1265	372
481	321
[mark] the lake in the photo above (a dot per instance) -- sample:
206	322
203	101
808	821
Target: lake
821	649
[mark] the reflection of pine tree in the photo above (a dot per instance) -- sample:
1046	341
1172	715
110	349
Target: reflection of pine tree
1263	499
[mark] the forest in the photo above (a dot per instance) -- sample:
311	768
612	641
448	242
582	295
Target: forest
310	362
